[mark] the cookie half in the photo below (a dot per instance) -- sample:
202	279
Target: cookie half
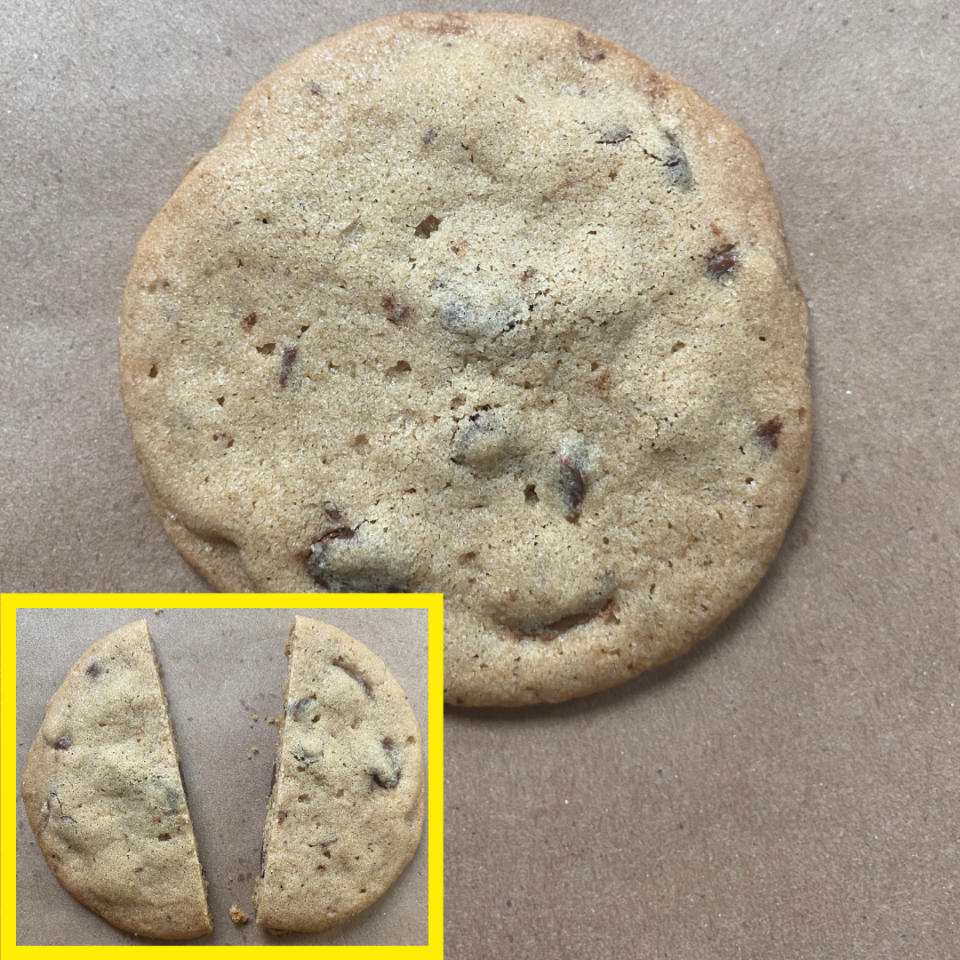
481	305
346	812
104	795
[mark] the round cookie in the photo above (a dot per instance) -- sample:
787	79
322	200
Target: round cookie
481	305
346	812
104	795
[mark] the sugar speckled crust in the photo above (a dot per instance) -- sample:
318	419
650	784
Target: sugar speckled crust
346	812
482	305
104	795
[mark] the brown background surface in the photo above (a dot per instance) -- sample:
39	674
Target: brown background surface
220	667
789	790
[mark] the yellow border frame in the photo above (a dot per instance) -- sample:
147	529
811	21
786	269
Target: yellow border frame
9	790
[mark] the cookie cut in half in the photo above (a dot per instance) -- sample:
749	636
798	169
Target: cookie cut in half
346	812
104	795
482	305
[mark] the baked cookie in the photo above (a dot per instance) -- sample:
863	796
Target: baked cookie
104	795
481	305
346	811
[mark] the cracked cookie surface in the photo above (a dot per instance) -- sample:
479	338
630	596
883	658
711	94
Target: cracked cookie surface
346	812
104	795
481	305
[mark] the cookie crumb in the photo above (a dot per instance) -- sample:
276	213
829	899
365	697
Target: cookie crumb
238	916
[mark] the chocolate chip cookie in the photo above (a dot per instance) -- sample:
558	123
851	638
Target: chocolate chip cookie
104	795
346	811
482	305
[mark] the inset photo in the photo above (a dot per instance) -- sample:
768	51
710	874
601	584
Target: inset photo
249	775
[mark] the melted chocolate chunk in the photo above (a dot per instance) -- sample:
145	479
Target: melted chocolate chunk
391	778
286	364
678	167
768	433
302	755
553	629
427	225
396	313
340	533
588	50
615	134
572	486
302	708
355	677
723	261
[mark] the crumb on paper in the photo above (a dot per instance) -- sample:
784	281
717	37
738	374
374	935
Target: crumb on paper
238	916
256	717
230	880
157	611
256	749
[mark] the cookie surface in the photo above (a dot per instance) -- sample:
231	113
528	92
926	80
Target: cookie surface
104	795
481	305
346	812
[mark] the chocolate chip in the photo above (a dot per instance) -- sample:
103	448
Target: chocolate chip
316	89
768	433
572	486
429	136
723	261
93	670
588	49
396	313
281	816
248	322
615	134
356	677
332	511
427	225
528	274
391	778
64	743
328	843
286	364
163	837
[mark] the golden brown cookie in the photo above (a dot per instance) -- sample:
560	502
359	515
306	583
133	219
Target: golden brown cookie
104	795
482	305
346	812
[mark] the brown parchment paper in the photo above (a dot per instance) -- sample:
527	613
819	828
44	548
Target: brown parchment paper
220	668
788	791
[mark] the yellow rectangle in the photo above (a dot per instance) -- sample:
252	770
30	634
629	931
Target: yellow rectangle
9	789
